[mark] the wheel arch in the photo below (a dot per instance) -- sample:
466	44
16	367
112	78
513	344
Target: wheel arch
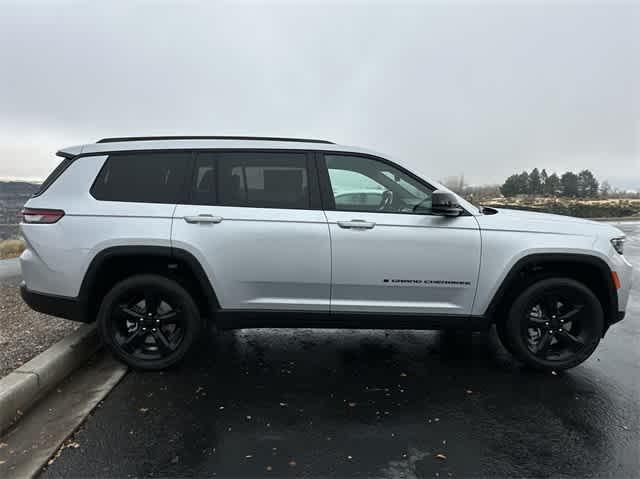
590	270
116	263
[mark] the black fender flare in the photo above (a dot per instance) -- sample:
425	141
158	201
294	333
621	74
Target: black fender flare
611	306
166	252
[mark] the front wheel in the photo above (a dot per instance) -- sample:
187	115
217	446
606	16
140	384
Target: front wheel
555	323
149	322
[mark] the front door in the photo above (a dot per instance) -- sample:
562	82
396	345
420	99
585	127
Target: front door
388	253
255	224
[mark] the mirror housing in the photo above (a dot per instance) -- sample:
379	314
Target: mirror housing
445	204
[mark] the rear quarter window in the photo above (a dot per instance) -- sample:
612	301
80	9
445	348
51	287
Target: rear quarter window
142	178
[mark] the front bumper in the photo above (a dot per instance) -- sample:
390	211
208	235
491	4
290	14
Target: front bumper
619	318
624	270
60	306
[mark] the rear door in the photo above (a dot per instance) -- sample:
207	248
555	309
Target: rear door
389	254
254	221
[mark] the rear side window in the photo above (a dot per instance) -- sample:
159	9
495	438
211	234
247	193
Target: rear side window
203	190
142	178
262	179
53	176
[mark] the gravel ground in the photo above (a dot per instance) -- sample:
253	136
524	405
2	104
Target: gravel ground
23	332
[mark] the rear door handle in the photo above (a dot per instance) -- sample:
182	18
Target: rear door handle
203	219
356	224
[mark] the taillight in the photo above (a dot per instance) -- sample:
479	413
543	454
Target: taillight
41	216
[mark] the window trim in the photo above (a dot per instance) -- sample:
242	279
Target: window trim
56	173
191	182
328	198
318	173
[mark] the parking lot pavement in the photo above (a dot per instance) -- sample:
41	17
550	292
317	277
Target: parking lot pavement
370	404
10	270
23	332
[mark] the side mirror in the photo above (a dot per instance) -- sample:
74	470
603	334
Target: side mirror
445	204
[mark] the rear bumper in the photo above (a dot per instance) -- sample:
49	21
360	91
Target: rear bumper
60	306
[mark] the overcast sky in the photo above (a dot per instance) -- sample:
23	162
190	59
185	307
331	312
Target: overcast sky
484	89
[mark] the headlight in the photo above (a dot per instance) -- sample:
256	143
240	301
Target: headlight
618	244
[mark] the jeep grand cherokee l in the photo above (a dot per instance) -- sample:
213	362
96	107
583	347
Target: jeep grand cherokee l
157	237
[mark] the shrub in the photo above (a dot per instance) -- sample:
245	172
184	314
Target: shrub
11	248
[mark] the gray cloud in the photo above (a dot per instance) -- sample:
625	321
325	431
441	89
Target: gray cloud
484	89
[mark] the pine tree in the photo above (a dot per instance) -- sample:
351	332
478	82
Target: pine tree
535	184
543	180
587	184
569	184
523	183
510	186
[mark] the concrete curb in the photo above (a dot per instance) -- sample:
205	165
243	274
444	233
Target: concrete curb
23	387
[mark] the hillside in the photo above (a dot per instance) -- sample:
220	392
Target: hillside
13	196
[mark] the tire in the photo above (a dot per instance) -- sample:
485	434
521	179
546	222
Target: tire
149	322
554	324
501	330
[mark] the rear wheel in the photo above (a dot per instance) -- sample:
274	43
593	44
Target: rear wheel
555	323
149	322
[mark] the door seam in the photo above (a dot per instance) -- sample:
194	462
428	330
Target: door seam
173	217
330	261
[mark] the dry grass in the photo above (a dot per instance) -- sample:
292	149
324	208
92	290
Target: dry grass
544	200
11	248
580	207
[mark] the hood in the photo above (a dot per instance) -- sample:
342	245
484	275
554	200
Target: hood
530	221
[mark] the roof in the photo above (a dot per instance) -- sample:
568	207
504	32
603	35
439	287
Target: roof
108	145
199	137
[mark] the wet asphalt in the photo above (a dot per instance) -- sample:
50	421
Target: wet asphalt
327	403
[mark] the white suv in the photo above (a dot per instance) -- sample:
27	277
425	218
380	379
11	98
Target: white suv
157	237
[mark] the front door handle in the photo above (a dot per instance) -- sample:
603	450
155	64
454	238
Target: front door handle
356	224
203	219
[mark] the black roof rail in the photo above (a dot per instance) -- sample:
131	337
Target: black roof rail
260	138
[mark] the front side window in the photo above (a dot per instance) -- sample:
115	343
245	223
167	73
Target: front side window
263	180
142	178
365	184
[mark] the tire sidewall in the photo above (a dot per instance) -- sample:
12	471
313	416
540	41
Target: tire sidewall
166	286
518	311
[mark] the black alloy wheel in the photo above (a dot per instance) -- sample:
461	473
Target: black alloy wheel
149	322
555	324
